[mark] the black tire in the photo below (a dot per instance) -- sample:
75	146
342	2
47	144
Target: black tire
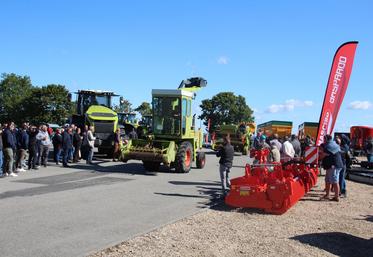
151	166
184	158
201	160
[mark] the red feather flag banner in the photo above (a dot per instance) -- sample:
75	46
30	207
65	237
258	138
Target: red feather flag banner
336	89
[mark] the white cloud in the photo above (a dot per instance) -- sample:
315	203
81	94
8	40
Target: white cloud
360	105
288	106
223	60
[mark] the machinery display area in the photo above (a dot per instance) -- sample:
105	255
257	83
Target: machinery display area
272	187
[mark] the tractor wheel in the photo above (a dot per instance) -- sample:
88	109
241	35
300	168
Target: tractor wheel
151	166
184	158
201	160
245	150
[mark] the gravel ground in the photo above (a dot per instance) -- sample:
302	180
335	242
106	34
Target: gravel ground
311	228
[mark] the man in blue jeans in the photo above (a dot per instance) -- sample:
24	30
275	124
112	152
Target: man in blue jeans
333	164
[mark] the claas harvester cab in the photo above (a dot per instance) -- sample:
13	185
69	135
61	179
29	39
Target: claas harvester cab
175	142
94	109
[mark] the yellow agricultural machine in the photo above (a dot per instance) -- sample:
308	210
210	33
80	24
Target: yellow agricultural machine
175	142
239	135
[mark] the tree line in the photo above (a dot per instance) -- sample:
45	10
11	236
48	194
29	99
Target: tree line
21	101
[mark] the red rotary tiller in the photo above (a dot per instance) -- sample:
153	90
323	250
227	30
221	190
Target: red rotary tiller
274	187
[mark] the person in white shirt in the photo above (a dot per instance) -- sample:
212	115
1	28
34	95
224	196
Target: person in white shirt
91	144
287	151
45	143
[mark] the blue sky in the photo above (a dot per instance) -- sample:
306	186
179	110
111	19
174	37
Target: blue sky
275	53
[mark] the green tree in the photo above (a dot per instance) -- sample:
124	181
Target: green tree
49	104
124	106
144	109
14	90
227	108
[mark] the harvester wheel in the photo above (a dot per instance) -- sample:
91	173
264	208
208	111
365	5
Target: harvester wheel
151	166
184	158
201	160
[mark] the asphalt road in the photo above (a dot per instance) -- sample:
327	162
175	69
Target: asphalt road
76	211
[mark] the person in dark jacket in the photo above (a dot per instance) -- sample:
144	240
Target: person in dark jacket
67	145
9	146
32	148
296	145
22	143
333	164
77	142
342	174
57	146
116	152
85	146
132	134
1	151
226	154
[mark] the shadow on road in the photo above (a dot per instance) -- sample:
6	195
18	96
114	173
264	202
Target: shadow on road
337	243
209	191
127	168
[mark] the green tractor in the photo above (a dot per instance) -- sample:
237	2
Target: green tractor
174	141
239	135
94	109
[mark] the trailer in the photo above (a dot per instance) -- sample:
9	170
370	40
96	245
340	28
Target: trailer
307	129
282	128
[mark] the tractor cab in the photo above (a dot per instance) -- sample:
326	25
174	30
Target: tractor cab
87	98
172	109
172	115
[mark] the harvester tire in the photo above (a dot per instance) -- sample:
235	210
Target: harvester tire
201	160
151	166
184	158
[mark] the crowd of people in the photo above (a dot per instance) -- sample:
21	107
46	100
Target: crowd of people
335	156
27	147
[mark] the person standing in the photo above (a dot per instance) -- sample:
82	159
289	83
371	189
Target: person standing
91	144
77	143
85	146
132	134
296	145
57	146
9	146
45	142
67	144
23	144
276	142
287	150
32	148
226	154
333	164
1	151
116	145
369	149
258	140
342	174
275	155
